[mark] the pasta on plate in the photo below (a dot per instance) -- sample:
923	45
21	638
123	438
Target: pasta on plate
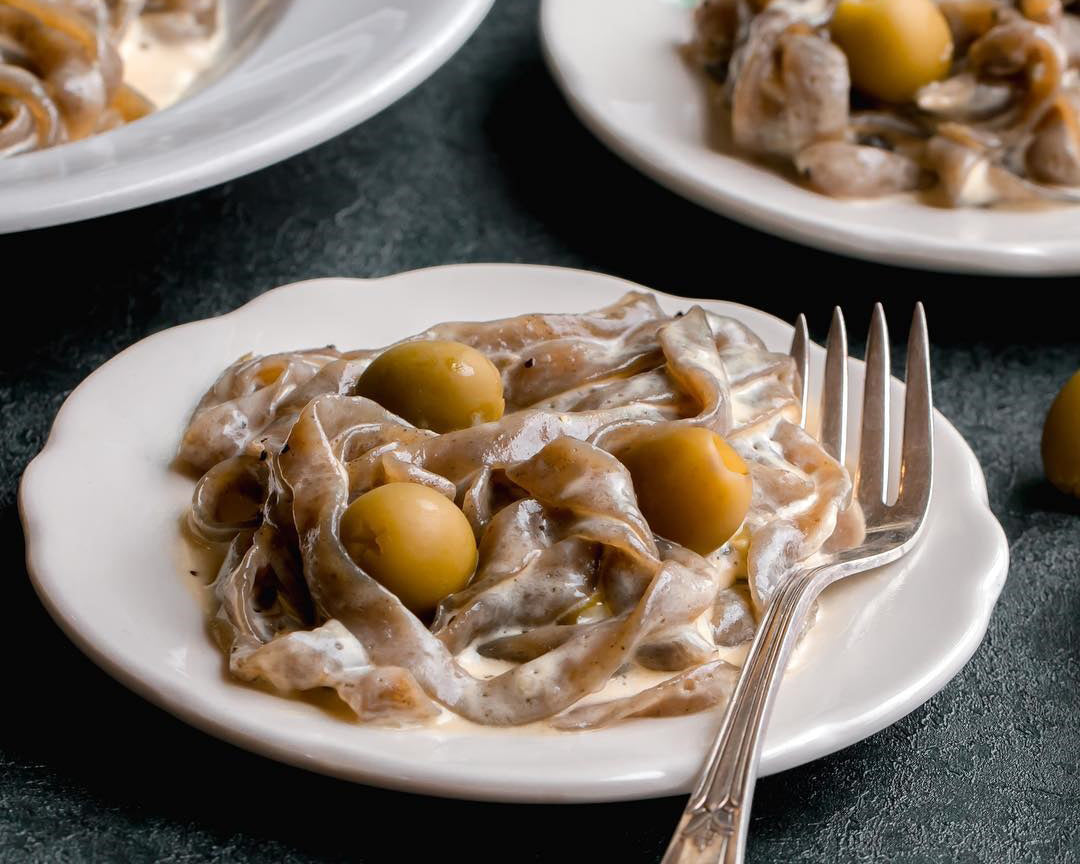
600	427
976	99
61	74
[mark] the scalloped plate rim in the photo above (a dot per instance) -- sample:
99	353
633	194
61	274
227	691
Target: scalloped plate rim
487	783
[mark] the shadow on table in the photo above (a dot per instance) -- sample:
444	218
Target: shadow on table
84	291
74	279
600	206
1039	496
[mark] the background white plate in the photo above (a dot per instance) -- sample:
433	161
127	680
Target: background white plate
293	74
617	61
102	511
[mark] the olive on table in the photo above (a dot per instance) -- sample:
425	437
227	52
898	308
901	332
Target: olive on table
1061	439
893	47
691	486
435	384
413	541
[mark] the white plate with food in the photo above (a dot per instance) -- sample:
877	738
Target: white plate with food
107	105
791	121
295	604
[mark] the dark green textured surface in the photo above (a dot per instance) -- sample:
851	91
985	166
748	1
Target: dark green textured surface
481	163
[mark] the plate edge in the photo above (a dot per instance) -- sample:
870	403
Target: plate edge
164	700
963	261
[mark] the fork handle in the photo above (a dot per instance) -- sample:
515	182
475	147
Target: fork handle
714	825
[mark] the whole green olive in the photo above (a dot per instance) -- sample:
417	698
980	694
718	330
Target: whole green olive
412	540
435	384
1061	439
893	47
691	486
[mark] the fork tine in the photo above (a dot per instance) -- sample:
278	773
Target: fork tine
871	479
800	352
834	395
917	456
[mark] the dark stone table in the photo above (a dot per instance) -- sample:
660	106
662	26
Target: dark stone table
485	163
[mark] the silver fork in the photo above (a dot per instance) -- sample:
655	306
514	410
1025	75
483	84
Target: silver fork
714	825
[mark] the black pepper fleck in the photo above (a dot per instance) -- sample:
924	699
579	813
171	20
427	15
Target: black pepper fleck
530	363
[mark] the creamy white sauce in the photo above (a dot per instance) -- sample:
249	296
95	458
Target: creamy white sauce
199	562
978	190
163	70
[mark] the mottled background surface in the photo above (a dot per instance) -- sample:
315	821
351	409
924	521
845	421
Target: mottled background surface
484	163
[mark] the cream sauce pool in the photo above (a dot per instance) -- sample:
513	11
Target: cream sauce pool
163	69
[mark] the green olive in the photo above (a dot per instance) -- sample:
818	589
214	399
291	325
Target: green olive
1061	439
413	541
435	384
893	47
692	487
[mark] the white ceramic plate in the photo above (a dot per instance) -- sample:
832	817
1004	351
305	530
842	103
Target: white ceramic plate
617	61
292	74
102	511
